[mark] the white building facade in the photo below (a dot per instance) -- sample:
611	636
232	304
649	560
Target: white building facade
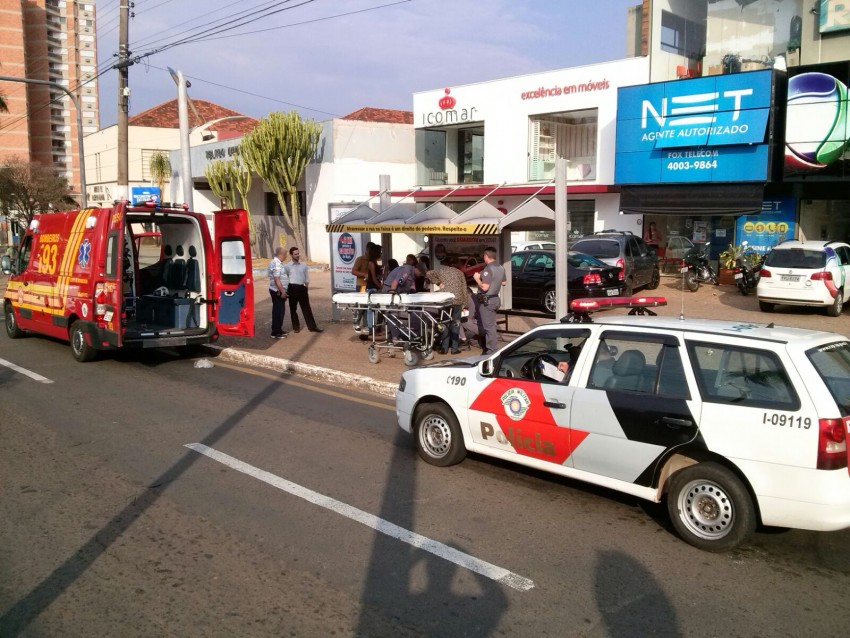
499	140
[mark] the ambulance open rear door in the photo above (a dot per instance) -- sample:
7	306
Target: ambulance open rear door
234	282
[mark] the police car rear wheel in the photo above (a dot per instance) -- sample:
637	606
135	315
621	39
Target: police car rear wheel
438	438
12	328
81	350
710	507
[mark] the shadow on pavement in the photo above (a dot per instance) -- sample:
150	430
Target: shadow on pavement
404	582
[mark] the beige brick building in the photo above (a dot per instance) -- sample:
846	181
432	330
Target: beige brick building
49	40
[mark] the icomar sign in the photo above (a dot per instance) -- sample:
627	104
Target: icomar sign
700	130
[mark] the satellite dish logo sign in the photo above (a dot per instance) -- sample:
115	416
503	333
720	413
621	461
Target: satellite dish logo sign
345	248
817	132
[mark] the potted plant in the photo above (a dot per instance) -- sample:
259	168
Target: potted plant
727	260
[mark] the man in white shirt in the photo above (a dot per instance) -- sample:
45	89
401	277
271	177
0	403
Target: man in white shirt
278	284
299	280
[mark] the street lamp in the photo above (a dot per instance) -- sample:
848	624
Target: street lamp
183	117
207	135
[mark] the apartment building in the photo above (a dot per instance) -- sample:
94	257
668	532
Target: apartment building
53	41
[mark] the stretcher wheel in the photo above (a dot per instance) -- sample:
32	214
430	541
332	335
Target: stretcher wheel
373	355
428	354
410	358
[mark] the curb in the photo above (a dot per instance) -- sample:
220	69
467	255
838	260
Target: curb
277	364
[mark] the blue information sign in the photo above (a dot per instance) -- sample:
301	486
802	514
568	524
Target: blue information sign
702	130
142	194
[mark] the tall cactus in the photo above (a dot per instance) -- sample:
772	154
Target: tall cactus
226	178
278	150
220	176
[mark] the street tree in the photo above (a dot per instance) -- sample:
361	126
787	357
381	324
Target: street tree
278	149
27	188
227	178
160	168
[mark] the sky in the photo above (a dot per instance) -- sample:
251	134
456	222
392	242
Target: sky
328	58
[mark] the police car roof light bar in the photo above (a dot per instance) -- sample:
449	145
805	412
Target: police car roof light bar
580	309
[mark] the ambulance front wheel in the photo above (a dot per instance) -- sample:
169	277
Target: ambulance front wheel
437	435
710	507
80	349
12	328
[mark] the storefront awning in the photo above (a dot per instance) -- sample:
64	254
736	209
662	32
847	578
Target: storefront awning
359	214
693	199
436	212
483	215
437	219
530	215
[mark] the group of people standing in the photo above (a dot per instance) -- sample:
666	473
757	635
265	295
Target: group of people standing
289	280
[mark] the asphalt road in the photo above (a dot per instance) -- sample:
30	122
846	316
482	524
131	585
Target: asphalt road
319	520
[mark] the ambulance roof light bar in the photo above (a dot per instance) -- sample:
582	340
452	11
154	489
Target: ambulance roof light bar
581	309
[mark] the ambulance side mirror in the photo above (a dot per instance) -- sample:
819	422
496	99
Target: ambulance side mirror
6	265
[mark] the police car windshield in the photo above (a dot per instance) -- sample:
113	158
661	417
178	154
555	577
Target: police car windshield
832	362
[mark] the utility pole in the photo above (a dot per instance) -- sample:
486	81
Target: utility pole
122	191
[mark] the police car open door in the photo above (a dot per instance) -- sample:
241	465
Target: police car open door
234	283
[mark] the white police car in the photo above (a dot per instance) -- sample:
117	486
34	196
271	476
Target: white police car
731	424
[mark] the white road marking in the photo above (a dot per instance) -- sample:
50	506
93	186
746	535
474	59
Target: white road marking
450	554
32	375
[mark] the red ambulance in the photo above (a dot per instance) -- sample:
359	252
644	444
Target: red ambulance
82	276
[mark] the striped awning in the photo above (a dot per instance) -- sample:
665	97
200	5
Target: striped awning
423	229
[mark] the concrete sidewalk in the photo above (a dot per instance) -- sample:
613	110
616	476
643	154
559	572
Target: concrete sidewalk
338	356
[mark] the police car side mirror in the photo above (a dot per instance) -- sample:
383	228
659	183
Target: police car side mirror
485	368
6	265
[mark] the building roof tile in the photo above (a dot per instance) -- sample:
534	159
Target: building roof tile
371	114
165	116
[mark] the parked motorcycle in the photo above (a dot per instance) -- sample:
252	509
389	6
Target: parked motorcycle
747	276
697	270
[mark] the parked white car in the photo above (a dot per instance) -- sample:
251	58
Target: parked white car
806	273
532	245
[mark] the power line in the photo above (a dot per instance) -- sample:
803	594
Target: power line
265	97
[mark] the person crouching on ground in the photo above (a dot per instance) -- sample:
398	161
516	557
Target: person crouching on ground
449	279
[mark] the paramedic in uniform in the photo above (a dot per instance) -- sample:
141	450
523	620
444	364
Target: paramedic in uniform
490	281
299	280
278	284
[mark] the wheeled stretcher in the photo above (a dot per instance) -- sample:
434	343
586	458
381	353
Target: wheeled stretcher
408	323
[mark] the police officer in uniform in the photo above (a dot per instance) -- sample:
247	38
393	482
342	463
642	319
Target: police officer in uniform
490	281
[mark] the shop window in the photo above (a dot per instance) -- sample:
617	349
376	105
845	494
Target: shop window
569	134
431	157
471	160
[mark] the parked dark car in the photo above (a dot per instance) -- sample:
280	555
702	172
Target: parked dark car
533	278
627	251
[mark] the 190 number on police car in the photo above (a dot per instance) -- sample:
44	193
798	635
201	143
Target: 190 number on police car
782	420
456	380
